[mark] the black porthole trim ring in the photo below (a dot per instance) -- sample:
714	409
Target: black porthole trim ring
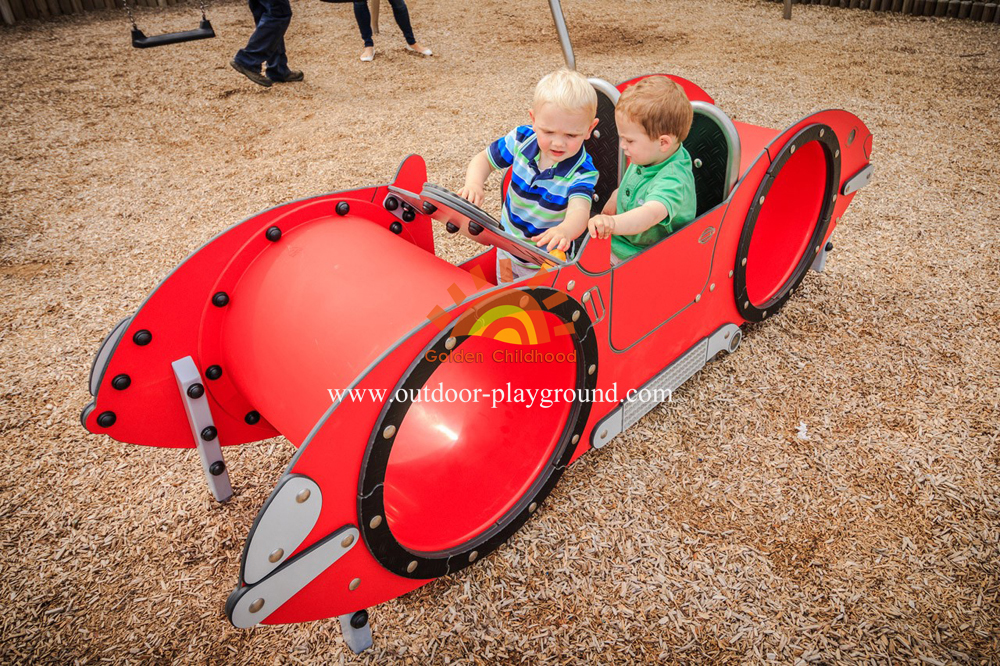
827	139
371	508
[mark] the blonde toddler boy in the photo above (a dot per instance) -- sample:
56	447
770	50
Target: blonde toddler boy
552	177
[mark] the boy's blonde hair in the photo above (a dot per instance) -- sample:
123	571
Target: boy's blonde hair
659	105
567	89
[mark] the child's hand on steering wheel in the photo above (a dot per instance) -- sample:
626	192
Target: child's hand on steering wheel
473	193
554	238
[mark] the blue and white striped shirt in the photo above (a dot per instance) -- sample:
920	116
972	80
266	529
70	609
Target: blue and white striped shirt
536	200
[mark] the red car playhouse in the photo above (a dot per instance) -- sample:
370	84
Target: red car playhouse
245	339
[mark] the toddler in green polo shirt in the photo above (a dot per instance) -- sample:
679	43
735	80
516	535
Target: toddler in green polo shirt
656	196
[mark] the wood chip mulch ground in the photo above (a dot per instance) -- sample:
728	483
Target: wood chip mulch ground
829	494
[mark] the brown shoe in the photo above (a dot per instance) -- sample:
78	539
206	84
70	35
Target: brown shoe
293	75
254	76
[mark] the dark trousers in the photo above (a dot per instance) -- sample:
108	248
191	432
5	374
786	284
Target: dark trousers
399	12
267	43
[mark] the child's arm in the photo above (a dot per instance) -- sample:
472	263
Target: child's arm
475	178
634	221
575	223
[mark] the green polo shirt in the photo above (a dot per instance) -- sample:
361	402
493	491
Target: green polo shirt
671	182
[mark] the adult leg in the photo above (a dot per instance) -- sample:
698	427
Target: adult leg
272	17
277	62
364	18
402	16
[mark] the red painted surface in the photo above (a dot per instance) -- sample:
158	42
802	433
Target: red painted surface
340	302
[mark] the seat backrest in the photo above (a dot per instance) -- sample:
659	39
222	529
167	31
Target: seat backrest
602	146
714	146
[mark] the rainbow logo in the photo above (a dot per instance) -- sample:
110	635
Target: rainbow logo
513	317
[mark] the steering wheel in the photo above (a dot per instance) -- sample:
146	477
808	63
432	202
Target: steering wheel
462	215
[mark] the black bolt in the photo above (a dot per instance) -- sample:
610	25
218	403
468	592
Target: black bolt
195	391
121	382
409	214
359	619
213	372
220	300
252	418
392	203
343	208
273	234
396	228
829	246
475	228
217	468
209	433
142	338
107	419
429	208
451	227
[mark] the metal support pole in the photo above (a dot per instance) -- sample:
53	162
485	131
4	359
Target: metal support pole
560	21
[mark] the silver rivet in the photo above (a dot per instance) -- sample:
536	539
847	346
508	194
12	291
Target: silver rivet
837	154
822	132
449	343
761	200
817	248
834	198
697	297
597	134
303	495
765	313
354	584
276	555
473	555
746	304
411	567
576	315
532	507
586	297
347	541
792	150
389	431
596	197
375	522
604	433
256	605
711	287
591	369
570	285
697	163
744	262
730	274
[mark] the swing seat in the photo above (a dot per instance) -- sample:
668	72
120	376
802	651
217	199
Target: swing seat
141	41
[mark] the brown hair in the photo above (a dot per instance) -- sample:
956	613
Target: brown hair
658	104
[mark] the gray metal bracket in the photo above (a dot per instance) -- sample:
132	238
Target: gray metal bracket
620	419
203	429
252	604
358	638
289	517
819	263
858	180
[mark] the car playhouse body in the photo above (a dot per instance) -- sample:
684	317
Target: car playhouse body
246	338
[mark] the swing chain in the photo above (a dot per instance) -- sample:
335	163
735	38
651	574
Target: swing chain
128	11
203	18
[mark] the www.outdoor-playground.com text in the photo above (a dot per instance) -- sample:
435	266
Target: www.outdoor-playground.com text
544	398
